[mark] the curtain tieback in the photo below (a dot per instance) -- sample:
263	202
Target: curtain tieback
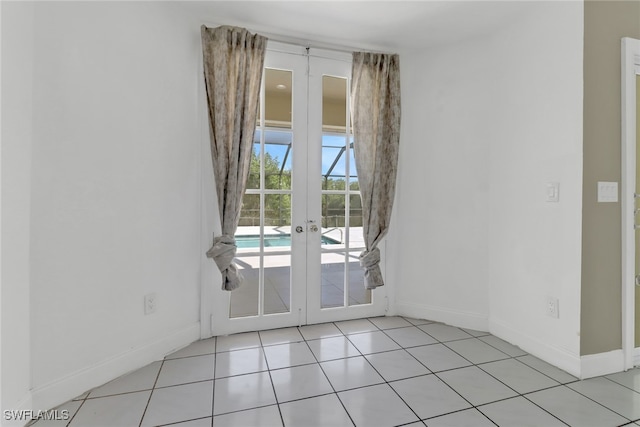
369	259
223	251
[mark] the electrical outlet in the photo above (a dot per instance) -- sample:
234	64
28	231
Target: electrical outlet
150	303
552	307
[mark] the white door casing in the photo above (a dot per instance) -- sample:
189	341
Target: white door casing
630	68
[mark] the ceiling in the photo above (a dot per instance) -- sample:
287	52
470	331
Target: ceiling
384	25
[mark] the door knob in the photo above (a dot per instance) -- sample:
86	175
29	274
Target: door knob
313	228
299	229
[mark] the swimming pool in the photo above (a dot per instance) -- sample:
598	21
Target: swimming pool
271	240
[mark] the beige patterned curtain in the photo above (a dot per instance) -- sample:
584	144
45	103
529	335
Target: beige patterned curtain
375	109
233	62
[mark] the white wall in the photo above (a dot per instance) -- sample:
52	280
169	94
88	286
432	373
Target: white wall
17	134
486	124
115	191
535	245
439	242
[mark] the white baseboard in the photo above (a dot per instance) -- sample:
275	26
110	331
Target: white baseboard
56	392
462	319
595	365
556	356
582	367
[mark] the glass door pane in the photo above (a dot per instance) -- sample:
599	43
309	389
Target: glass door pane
341	206
278	98
264	232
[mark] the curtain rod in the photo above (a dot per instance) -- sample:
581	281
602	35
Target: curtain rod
294	41
313	44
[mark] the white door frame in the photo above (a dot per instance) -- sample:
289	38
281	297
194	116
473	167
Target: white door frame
630	68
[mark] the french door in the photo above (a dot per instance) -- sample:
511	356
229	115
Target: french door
300	231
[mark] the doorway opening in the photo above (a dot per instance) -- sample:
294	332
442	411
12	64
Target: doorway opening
300	231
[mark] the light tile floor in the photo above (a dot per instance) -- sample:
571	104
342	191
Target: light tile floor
385	371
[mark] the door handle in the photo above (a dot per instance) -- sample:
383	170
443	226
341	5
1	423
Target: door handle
299	229
313	228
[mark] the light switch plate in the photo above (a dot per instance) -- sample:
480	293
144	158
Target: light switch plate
553	192
607	192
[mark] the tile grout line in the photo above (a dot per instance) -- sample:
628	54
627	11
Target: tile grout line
180	422
518	394
435	373
525	396
538	370
472	364
237	411
383	378
449	370
77	410
616	382
506	385
213	390
273	387
477	407
432	372
601	404
325	374
358	350
151	394
479	365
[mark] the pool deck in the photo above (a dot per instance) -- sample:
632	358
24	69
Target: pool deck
279	256
276	262
339	234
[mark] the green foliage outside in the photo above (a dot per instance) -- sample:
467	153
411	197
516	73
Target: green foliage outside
278	206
